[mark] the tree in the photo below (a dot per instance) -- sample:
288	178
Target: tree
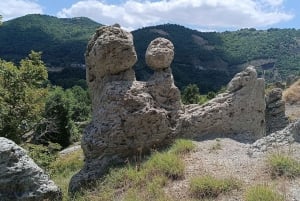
22	95
191	94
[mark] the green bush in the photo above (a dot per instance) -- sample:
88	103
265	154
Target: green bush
262	193
210	187
282	165
43	156
182	146
167	164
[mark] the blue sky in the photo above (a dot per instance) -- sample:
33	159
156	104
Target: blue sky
203	15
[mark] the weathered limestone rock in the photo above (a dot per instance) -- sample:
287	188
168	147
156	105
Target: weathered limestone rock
21	179
275	111
240	110
284	137
160	54
129	116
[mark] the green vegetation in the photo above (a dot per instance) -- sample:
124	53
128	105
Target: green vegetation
208	59
262	193
182	146
63	168
210	187
22	95
283	165
137	181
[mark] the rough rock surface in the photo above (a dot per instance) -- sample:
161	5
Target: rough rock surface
160	54
21	179
130	117
275	111
240	110
283	137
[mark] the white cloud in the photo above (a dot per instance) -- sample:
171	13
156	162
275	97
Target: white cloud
10	9
211	14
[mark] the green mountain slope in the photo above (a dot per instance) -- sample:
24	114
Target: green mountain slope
62	41
206	59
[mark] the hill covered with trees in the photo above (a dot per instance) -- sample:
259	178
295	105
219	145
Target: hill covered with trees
208	59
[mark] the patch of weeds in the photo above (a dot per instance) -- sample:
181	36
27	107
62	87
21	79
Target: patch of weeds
152	191
182	146
43	156
262	193
283	165
210	187
64	167
167	164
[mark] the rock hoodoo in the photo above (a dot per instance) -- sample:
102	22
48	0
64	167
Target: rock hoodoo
21	178
130	117
275	111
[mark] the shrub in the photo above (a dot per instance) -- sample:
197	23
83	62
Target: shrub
182	146
167	164
262	193
282	165
210	187
43	156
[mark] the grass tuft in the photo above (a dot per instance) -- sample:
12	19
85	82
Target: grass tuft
283	165
210	187
182	146
262	193
165	164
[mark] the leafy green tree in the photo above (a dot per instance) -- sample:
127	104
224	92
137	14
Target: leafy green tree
64	112
55	125
22	95
80	104
191	94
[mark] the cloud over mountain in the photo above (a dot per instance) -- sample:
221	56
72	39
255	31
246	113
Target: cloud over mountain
197	13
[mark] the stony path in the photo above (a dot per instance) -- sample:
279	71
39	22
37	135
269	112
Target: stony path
228	158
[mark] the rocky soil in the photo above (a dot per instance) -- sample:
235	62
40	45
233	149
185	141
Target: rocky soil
223	158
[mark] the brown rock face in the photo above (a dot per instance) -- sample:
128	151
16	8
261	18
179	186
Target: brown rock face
160	54
130	117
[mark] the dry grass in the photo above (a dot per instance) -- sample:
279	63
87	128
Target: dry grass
292	94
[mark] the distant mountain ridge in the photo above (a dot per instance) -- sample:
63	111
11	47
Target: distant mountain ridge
208	59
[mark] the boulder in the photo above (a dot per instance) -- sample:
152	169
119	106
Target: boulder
275	111
21	179
159	54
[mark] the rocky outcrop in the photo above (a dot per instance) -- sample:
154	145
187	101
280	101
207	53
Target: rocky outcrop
21	179
286	136
130	117
275	111
240	110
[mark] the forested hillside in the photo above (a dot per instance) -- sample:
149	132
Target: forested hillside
208	59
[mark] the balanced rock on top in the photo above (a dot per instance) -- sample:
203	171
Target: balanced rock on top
160	54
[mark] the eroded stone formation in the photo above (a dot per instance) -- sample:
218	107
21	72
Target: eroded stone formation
239	110
21	178
130	117
275	111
